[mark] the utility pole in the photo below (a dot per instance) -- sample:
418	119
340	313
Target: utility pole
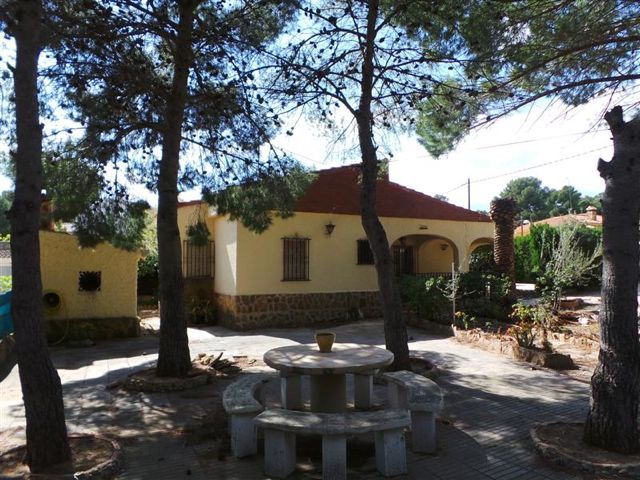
469	193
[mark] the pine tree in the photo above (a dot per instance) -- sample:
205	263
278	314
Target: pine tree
170	76
526	50
47	443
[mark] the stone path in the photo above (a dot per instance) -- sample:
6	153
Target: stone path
491	403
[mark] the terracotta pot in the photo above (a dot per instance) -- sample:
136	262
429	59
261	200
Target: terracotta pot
325	341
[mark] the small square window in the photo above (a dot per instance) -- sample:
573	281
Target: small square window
365	255
89	281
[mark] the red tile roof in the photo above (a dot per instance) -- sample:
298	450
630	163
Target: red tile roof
188	203
337	190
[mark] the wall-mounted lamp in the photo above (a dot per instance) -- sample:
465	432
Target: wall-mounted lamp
328	228
423	227
444	246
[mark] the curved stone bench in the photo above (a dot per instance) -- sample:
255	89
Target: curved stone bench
423	397
280	428
243	400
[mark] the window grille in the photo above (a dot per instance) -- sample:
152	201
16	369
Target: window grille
89	281
295	259
365	254
403	260
198	261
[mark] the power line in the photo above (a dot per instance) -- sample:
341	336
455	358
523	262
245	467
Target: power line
540	139
520	142
544	164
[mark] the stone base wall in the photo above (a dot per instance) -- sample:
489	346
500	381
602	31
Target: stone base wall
244	312
60	330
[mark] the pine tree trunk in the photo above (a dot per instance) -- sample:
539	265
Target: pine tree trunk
173	357
395	329
615	384
47	442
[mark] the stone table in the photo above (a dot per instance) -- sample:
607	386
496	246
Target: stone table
327	373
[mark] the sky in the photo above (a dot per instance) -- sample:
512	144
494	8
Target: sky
548	141
558	145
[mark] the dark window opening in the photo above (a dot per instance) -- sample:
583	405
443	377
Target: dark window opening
198	261
365	254
403	260
89	281
295	259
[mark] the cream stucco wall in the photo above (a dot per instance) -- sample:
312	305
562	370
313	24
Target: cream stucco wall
62	260
431	257
226	247
224	233
332	258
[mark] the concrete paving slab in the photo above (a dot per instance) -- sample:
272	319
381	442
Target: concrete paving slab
490	404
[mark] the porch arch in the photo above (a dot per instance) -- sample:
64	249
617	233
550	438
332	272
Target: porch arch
425	254
480	242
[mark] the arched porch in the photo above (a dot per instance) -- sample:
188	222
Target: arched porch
428	255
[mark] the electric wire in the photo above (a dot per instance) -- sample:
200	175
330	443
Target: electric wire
520	170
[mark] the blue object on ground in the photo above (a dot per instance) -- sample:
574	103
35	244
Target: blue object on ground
6	324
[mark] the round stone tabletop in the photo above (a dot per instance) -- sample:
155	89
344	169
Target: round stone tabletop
343	358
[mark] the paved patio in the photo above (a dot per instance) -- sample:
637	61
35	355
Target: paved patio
491	403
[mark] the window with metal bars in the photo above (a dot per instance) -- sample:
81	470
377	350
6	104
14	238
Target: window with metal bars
295	259
365	255
403	260
198	261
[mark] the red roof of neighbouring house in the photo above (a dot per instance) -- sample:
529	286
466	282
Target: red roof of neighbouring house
337	190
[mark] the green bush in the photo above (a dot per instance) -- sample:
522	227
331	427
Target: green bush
534	251
5	283
427	298
571	265
477	294
481	259
483	295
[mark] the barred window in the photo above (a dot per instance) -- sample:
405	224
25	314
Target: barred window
198	260
365	255
403	260
295	258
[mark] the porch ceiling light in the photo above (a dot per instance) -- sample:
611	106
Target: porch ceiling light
328	228
444	246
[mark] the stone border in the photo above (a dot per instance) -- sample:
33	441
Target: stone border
507	346
559	457
103	471
135	383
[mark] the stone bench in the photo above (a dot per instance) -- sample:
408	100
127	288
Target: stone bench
281	426
240	403
423	397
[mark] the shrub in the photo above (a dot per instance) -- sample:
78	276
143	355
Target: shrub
481	260
534	251
483	295
5	283
476	294
571	264
530	321
427	298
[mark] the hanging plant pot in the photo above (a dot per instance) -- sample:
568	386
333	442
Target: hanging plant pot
198	233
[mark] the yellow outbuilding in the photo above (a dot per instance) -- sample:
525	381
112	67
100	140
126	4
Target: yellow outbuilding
87	292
